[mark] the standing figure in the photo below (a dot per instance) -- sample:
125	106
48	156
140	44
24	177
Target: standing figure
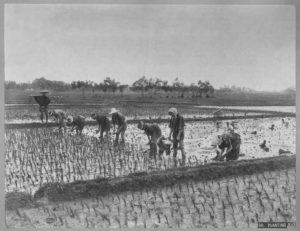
177	131
119	120
76	122
60	117
153	132
43	102
103	123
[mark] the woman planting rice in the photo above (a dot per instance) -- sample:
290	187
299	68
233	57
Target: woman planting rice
76	122
119	120
229	145
103	123
153	132
60	117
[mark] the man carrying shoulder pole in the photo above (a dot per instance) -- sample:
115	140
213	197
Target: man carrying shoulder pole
43	102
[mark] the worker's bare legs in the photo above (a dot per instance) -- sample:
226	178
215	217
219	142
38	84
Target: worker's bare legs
181	147
153	143
117	137
123	136
42	117
101	135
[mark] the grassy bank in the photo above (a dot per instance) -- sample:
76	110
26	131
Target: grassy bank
101	187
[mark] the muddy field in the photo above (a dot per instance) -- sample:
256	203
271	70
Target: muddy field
38	156
238	202
30	113
43	155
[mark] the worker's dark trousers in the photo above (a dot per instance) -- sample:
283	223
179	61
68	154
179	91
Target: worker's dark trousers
122	134
44	112
153	148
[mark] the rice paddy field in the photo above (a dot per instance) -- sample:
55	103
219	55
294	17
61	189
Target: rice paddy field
30	113
39	156
238	202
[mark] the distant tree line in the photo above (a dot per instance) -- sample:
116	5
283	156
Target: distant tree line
154	85
142	85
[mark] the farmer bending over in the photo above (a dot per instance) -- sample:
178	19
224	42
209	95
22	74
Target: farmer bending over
153	132
76	122
177	131
60	117
119	120
103	123
164	145
229	145
43	102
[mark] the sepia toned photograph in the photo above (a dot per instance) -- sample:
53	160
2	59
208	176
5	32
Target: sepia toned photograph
149	116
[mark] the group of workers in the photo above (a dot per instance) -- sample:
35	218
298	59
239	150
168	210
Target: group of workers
158	143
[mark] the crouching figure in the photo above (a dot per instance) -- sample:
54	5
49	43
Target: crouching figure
60	117
164	145
229	147
77	122
153	132
103	124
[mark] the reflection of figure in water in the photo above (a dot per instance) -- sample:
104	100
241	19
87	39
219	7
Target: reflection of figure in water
287	124
43	102
229	146
218	125
263	146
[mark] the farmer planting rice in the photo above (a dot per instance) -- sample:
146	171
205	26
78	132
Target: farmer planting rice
153	132
164	145
177	132
229	146
118	120
60	117
76	122
103	123
43	101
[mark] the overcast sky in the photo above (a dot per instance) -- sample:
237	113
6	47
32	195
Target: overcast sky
251	46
